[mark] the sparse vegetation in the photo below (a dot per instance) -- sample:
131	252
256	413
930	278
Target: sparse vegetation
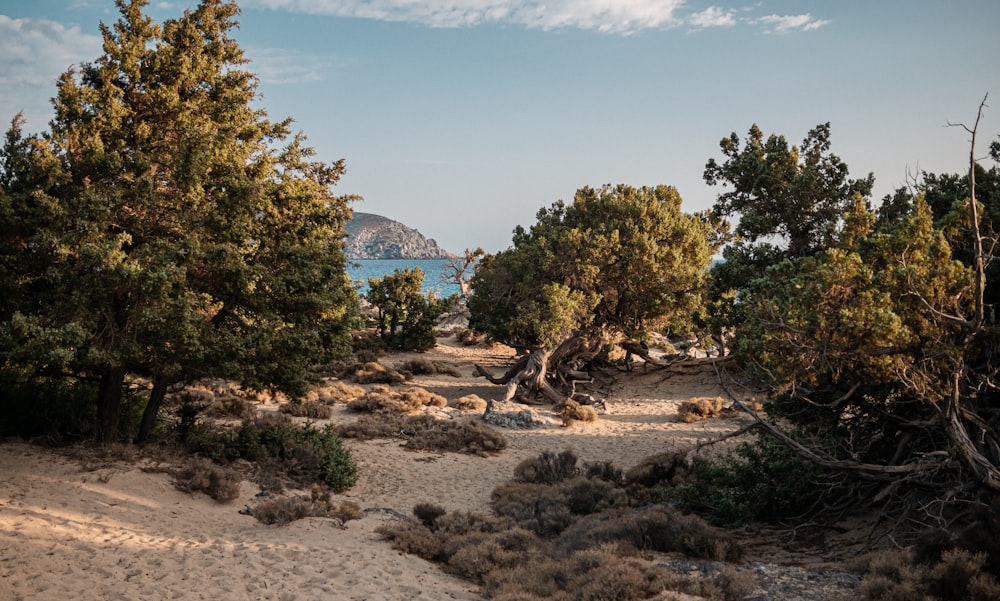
283	451
382	399
421	366
694	410
310	409
319	504
427	433
201	475
557	534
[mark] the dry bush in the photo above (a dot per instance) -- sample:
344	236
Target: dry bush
697	409
428	433
469	402
548	509
230	405
470	337
384	400
957	576
368	427
571	412
547	468
421	366
310	409
201	475
367	372
334	392
655	528
283	510
666	468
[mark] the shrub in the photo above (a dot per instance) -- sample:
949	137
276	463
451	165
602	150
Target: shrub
456	436
547	468
571	411
301	454
283	510
310	409
470	337
201	475
382	399
469	402
763	480
334	392
421	366
957	576
371	372
698	409
230	405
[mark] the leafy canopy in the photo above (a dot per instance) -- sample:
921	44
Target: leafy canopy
164	226
620	259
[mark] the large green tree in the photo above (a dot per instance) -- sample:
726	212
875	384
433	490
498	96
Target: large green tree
615	264
882	351
788	201
164	227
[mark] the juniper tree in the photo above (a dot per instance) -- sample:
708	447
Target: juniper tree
164	227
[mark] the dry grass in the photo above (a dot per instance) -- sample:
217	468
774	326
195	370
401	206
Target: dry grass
699	408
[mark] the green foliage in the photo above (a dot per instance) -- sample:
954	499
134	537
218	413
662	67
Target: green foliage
60	410
622	259
854	316
789	201
763	480
304	454
405	317
164	227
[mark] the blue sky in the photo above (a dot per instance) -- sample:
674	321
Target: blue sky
463	117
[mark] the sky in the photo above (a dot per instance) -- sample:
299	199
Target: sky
463	118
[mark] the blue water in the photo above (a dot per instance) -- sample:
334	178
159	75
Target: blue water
362	269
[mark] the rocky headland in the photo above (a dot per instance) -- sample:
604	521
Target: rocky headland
372	236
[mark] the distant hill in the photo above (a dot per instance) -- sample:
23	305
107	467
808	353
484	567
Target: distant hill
375	237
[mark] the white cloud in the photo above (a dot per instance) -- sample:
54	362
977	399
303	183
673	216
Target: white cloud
609	16
35	52
277	66
788	23
712	16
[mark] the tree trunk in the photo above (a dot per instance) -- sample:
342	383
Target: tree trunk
152	409
109	401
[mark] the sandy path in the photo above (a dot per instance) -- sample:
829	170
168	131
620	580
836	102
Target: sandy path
118	532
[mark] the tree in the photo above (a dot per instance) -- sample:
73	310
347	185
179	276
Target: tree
789	202
405	317
165	227
460	269
882	351
616	264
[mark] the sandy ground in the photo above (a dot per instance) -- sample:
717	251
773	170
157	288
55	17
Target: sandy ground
96	530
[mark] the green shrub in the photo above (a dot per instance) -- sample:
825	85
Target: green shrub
300	454
763	480
59	410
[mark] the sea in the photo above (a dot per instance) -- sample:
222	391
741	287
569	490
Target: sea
361	270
